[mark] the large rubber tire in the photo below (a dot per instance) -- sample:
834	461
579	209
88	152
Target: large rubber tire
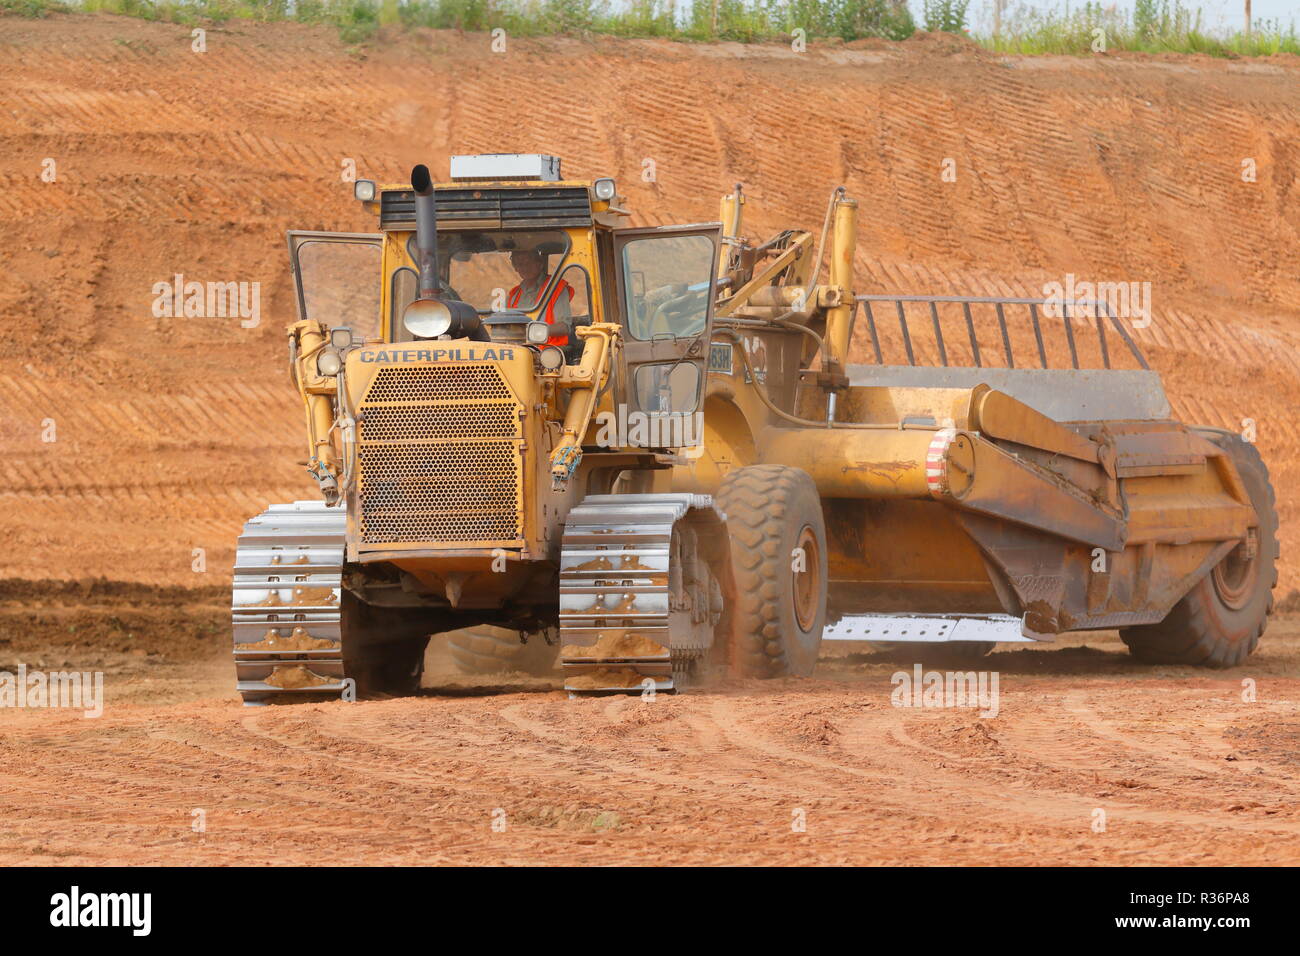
497	650
774	615
1220	621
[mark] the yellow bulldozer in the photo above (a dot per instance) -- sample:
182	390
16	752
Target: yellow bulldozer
645	449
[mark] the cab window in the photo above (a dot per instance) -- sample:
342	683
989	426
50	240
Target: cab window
667	387
667	285
405	287
338	284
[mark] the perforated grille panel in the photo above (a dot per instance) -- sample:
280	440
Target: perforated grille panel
437	383
439	456
414	422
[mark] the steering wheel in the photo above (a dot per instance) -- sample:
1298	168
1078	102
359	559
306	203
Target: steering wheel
662	321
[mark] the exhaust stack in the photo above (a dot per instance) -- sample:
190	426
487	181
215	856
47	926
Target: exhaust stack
426	232
432	315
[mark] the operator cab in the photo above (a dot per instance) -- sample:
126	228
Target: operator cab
520	255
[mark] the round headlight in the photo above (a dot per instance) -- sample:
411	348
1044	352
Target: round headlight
427	318
538	333
551	358
364	190
329	362
604	189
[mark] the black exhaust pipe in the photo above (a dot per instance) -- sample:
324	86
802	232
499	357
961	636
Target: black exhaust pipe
426	232
432	314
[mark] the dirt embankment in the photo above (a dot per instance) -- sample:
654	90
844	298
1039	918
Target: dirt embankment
135	445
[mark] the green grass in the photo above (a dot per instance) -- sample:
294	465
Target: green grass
1155	26
32	8
361	20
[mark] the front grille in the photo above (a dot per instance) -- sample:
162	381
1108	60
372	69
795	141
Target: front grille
437	383
422	422
439	457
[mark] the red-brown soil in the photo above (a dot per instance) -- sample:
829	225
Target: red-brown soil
170	432
1184	770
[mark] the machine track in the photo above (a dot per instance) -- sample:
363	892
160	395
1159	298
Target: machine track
637	606
286	604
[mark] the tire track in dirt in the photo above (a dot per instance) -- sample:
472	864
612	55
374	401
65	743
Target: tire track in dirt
707	777
1172	744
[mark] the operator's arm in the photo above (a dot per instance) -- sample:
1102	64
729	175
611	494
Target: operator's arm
561	309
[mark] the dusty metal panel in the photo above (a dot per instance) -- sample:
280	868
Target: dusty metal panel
1137	452
977	475
930	629
1001	416
1064	395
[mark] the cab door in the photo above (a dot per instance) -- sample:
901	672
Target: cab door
665	278
338	279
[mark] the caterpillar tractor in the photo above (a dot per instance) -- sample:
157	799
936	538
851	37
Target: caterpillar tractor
644	450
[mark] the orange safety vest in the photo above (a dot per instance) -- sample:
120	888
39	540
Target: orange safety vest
513	296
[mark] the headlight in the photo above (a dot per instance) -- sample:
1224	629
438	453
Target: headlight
604	189
551	358
341	338
329	362
364	190
427	318
537	333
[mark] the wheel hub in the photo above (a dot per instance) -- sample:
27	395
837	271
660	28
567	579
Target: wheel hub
1234	576
806	583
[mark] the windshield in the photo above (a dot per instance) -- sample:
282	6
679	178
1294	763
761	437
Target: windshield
493	271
